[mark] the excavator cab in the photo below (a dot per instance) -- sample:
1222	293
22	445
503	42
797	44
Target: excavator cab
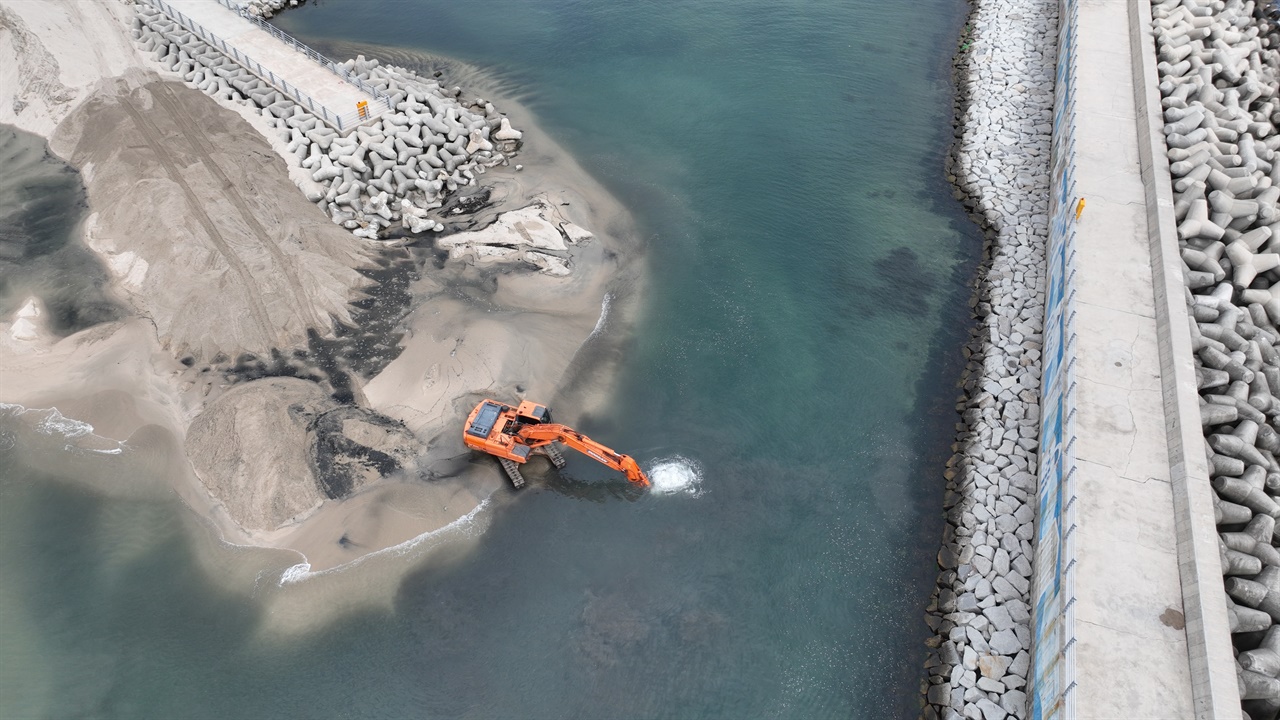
533	412
512	433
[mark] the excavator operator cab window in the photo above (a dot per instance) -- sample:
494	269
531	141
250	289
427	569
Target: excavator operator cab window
485	419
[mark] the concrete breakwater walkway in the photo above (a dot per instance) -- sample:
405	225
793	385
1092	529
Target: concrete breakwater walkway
1124	551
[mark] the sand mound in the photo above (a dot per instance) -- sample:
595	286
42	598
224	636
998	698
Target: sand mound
272	450
233	274
352	447
198	217
250	449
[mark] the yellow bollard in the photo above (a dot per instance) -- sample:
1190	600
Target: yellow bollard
1079	208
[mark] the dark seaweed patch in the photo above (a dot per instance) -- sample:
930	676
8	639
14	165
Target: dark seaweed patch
342	464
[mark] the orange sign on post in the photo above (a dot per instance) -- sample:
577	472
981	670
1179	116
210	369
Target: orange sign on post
362	108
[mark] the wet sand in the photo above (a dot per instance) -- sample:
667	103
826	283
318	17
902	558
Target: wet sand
240	336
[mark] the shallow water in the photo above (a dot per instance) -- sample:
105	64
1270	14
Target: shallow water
41	207
789	387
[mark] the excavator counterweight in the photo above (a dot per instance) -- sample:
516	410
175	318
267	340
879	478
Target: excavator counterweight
511	434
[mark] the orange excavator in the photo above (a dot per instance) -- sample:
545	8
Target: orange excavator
512	433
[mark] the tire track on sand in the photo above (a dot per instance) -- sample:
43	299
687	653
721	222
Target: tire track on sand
151	135
204	152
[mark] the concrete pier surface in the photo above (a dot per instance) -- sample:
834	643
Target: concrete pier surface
1131	651
280	57
1150	628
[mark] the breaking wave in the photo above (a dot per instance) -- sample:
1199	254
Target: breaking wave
603	321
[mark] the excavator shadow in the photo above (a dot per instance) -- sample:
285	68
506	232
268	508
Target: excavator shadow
540	473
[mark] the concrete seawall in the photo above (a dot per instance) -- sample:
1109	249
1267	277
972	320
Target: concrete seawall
1126	552
1127	609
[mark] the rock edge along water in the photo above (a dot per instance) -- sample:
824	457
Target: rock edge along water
979	661
1220	83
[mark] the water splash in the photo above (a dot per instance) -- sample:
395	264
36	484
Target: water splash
676	474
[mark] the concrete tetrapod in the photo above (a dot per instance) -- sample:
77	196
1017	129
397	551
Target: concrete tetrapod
1220	79
426	148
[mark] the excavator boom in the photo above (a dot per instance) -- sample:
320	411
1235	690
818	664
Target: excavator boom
539	435
511	433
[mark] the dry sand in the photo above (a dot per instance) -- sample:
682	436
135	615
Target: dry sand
219	255
54	52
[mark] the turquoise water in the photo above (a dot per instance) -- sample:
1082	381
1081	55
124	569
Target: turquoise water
799	344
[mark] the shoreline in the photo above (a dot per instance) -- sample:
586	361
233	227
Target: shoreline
440	318
1213	200
979	657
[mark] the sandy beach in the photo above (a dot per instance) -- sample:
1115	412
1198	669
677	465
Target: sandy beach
262	361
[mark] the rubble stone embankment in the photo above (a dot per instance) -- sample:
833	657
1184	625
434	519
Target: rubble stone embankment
979	660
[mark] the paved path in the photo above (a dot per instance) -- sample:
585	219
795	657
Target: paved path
1140	648
278	56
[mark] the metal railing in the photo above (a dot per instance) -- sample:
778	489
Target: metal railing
341	121
303	48
1051	682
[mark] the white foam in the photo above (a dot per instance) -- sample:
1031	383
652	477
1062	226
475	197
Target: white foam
55	423
465	525
108	451
603	321
676	474
295	573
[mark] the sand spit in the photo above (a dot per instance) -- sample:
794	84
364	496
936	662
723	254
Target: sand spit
310	382
979	660
1220	75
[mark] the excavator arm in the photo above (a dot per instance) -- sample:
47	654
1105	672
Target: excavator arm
536	436
510	433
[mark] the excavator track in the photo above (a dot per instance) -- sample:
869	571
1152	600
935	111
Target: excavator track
557	457
513	472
